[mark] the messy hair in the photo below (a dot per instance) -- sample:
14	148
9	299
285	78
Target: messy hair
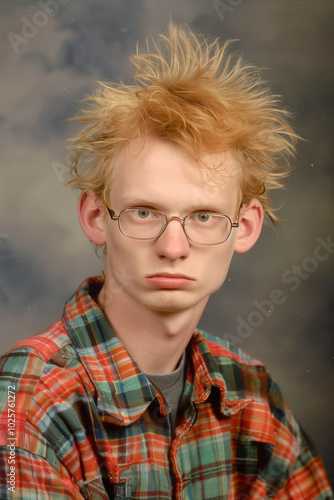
197	94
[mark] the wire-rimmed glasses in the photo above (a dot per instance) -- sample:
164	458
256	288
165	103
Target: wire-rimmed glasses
202	228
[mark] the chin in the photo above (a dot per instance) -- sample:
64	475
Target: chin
170	305
168	308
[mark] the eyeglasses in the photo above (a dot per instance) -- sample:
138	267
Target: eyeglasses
203	228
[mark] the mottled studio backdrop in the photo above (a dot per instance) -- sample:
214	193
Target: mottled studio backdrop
52	52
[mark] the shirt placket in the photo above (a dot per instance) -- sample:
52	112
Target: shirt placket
187	422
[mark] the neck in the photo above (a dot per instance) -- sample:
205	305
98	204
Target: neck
155	340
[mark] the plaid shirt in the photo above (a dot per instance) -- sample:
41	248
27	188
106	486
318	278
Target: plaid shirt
80	421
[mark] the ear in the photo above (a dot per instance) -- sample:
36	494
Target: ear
90	211
250	225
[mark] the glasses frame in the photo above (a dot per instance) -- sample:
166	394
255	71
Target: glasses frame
182	220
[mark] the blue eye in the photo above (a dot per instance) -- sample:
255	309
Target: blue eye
203	217
142	213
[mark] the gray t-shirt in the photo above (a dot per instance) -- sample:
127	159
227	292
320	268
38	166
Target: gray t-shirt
171	386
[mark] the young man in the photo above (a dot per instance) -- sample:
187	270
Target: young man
123	398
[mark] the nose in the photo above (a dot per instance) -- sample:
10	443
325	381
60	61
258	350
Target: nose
173	243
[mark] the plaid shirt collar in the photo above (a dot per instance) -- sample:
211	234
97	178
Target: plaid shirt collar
123	391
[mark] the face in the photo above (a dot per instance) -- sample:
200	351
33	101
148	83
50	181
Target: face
170	273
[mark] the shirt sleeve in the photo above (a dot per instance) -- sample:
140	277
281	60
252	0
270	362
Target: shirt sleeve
307	478
303	474
30	476
29	468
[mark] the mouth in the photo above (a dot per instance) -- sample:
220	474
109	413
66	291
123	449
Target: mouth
169	280
170	275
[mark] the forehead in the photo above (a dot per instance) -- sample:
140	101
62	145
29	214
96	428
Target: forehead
157	172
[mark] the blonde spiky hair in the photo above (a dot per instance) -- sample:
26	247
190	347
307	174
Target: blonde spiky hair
193	92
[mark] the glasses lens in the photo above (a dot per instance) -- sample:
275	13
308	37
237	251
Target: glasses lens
141	223
208	229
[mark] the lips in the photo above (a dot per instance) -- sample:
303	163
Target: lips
169	280
170	275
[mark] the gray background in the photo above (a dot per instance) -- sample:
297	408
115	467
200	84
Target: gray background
43	252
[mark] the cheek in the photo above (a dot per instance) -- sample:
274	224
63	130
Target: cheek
218	266
121	266
116	241
123	253
116	251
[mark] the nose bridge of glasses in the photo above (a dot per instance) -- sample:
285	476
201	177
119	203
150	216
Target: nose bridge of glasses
181	220
174	217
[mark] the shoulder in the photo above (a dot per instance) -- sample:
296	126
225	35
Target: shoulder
262	418
28	358
40	348
35	372
289	463
243	375
223	351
